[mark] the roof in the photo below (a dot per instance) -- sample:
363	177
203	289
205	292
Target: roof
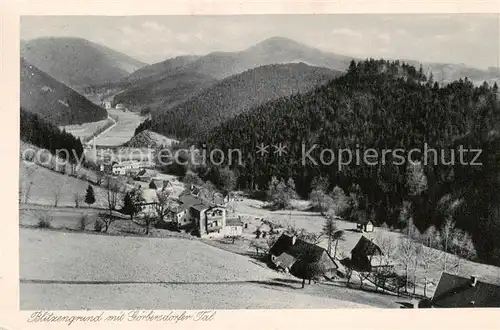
157	182
285	260
366	247
199	207
234	222
363	221
457	291
190	200
284	244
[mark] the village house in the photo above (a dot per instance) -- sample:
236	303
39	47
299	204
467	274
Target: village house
364	225
455	291
122	168
289	253
234	227
106	104
160	184
148	208
206	219
144	175
367	256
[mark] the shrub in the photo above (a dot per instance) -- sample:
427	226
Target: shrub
82	222
44	220
98	226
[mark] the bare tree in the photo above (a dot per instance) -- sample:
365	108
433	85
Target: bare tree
107	219
387	247
361	276
162	206
347	263
112	193
260	247
320	201
332	233
304	235
447	232
27	184
406	255
148	221
462	247
57	190
99	177
307	266
77	198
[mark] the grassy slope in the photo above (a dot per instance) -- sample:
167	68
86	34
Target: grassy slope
156	273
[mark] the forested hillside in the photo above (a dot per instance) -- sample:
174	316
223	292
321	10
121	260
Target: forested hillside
163	91
164	66
43	134
384	105
235	95
54	101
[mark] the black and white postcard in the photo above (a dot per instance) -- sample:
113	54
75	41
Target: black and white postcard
175	166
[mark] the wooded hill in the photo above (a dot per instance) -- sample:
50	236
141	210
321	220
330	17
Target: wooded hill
43	134
162	91
383	105
163	85
234	95
54	101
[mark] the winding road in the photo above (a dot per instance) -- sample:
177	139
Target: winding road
91	142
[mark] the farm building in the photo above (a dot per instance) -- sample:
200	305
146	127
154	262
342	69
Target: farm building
364	225
234	227
291	253
454	291
367	256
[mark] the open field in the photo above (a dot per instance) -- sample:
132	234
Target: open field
113	272
46	184
87	130
126	123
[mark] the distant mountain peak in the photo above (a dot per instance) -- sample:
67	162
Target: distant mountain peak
277	42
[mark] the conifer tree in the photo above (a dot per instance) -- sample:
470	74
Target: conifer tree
89	196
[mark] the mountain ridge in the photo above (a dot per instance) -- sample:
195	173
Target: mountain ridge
78	62
54	101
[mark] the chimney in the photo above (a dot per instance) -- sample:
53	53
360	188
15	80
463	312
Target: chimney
294	239
473	280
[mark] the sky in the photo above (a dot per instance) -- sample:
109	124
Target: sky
471	39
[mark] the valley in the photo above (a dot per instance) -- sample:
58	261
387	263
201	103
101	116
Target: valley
272	231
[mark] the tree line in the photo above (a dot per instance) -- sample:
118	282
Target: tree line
43	134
